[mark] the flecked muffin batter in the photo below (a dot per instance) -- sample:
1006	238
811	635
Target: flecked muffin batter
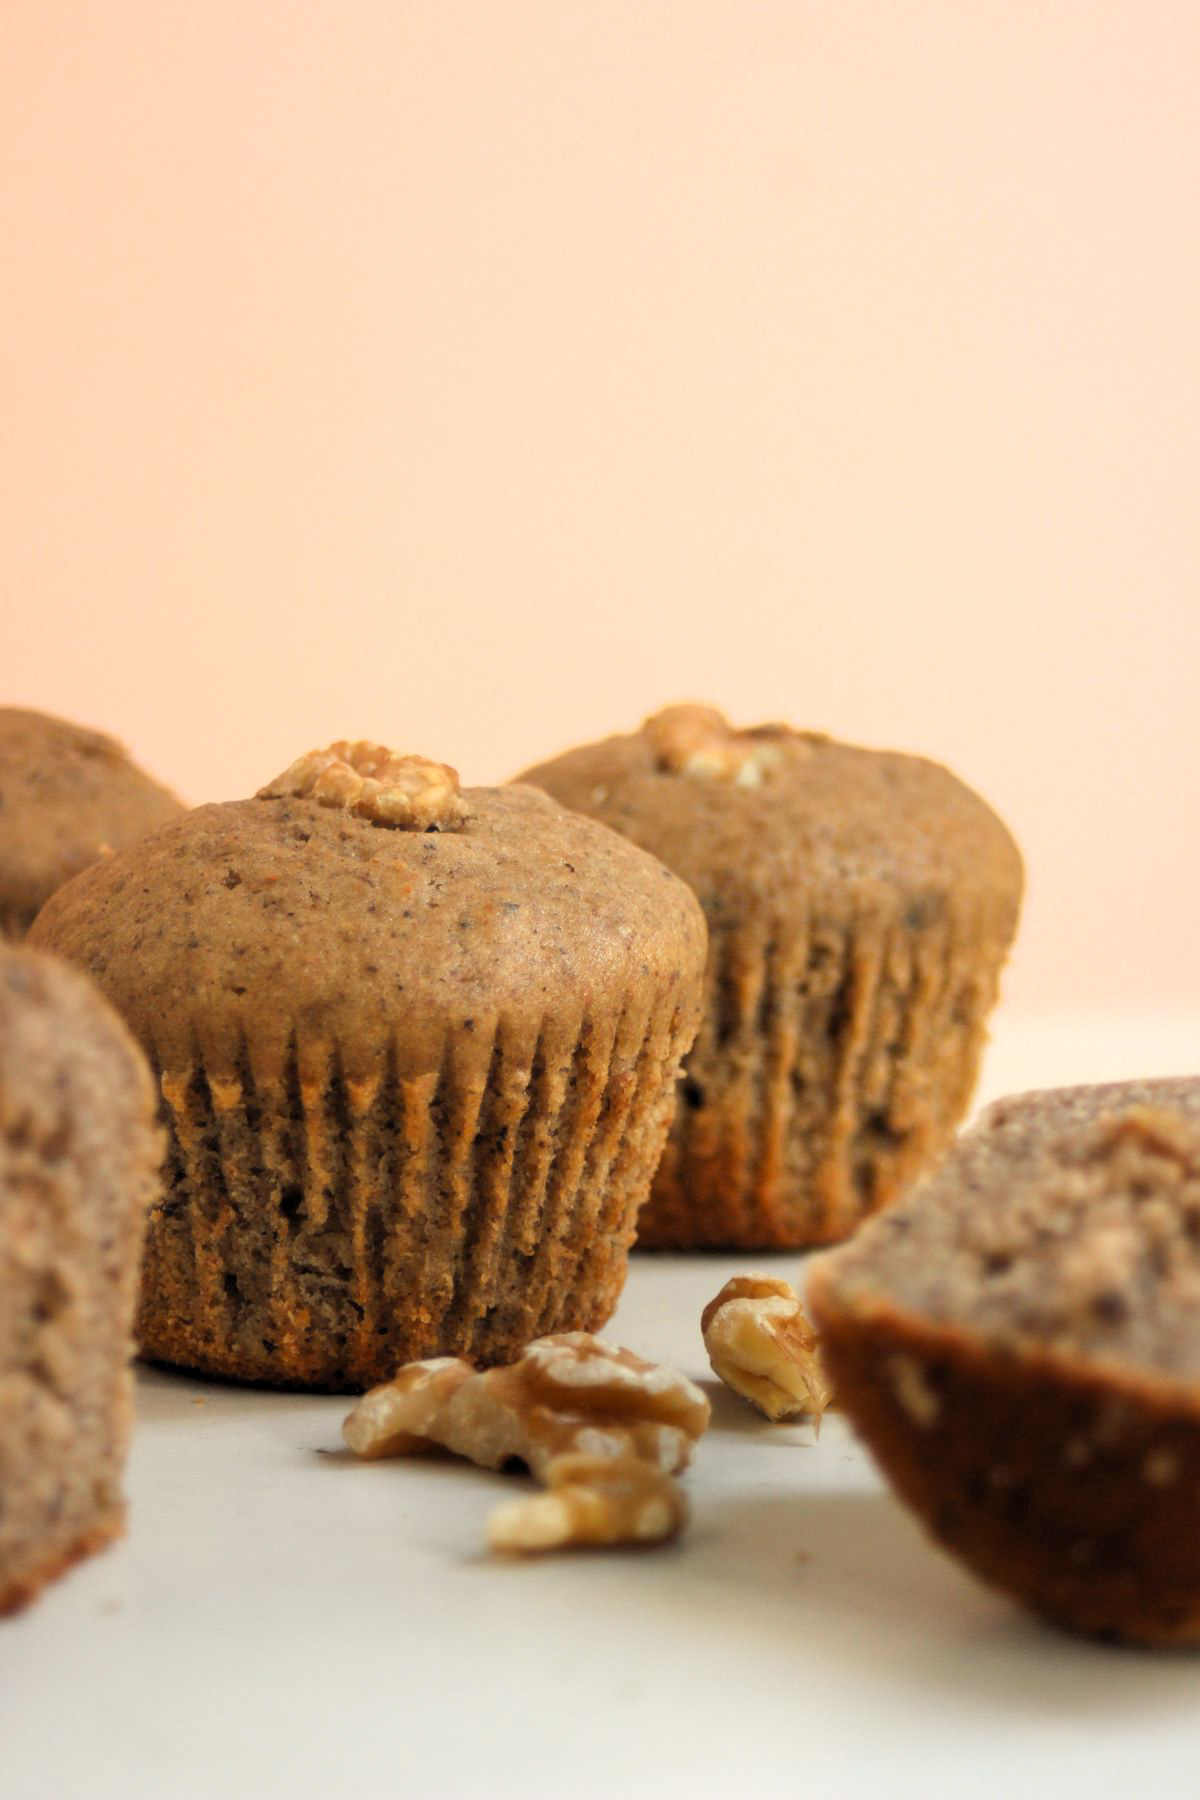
418	1051
860	905
79	1165
1018	1341
67	796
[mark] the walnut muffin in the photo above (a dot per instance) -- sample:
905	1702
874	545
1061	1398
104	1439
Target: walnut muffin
79	1165
417	1050
860	905
1018	1341
67	796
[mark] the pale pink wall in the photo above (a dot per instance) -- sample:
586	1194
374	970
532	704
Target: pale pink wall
478	376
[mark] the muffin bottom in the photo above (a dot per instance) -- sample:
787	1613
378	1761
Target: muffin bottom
19	1593
1068	1491
320	1230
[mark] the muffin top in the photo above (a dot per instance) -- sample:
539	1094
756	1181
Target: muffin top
364	901
751	819
67	796
1065	1221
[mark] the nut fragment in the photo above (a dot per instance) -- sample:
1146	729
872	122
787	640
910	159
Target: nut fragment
762	1346
700	742
570	1393
1150	1130
592	1500
376	783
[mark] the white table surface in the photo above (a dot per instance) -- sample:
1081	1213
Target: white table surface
284	1621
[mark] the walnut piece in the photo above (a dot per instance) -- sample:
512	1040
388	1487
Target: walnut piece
700	742
1151	1130
373	782
570	1393
762	1346
592	1500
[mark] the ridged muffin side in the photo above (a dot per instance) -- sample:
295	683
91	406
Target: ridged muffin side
834	1060
416	1085
462	1211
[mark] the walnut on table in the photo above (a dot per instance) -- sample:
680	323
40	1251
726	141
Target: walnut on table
593	1500
564	1394
602	1427
762	1346
373	782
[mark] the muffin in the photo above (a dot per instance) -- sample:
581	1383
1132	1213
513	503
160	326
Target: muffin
67	796
79	1161
417	1049
1018	1341
859	905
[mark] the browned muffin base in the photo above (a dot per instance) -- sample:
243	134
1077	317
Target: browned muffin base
22	1592
1047	1484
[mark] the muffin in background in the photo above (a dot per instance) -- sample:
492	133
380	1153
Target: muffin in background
860	905
67	797
418	1051
79	1166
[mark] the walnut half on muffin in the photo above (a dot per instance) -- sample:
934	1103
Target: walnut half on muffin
860	905
417	1049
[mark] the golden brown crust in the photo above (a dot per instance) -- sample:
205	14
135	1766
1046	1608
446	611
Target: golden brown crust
1018	1341
15	1596
67	796
416	1083
860	906
1066	1488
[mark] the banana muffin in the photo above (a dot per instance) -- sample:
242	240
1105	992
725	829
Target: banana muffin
417	1049
1018	1341
860	905
79	1164
67	796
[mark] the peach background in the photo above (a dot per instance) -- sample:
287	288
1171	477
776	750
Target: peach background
479	374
